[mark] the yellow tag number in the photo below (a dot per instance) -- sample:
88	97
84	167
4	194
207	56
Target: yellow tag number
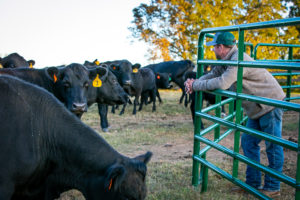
97	82
135	70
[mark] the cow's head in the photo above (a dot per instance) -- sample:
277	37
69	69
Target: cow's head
71	84
122	70
14	60
110	92
123	181
163	80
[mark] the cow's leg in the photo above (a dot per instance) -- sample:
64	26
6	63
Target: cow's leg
153	94
144	99
185	99
102	109
135	102
182	96
123	109
113	109
158	96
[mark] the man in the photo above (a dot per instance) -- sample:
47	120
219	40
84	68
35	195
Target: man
258	82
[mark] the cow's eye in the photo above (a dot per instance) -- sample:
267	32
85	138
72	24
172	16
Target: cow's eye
86	85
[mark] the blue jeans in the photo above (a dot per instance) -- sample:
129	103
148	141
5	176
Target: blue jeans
269	123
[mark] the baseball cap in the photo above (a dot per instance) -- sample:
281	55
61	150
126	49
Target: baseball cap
225	38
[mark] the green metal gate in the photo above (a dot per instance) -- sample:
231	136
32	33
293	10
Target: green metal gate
235	119
288	73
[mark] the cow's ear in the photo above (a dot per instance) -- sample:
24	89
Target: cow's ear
31	63
53	73
96	62
145	158
114	177
100	71
135	68
136	65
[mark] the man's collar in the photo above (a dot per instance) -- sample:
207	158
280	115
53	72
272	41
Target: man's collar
229	54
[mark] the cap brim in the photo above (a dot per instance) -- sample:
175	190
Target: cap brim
211	43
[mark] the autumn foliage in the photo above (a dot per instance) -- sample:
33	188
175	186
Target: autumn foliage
171	27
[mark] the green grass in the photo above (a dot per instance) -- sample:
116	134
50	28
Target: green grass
168	133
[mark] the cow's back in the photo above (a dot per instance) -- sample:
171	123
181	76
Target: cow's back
175	68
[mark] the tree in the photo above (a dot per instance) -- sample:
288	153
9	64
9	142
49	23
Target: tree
171	27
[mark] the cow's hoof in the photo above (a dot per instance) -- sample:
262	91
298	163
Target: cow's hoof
105	130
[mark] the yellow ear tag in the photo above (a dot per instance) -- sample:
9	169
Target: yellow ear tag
97	82
1	66
135	70
54	78
30	65
97	62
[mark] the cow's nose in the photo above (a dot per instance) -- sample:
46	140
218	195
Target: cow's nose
127	82
79	107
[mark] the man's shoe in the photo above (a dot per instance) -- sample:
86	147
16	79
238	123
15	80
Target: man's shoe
271	194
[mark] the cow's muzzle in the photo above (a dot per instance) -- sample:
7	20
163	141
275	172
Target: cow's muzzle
79	108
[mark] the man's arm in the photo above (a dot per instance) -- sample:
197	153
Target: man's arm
224	81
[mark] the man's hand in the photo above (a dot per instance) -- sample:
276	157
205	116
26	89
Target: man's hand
189	86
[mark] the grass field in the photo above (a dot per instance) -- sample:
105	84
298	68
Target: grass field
168	133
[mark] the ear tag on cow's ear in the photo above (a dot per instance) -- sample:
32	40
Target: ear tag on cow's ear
97	62
114	67
54	78
170	79
110	184
158	77
97	82
1	66
135	70
30	65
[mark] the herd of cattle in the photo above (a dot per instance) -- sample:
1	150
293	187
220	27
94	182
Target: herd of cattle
46	150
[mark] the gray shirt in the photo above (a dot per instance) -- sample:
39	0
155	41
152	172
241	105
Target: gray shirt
256	81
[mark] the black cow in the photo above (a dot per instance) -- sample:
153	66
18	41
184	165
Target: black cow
135	88
14	60
45	150
162	82
107	91
209	98
122	69
176	69
150	86
143	82
69	84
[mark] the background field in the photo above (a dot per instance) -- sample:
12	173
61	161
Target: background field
168	133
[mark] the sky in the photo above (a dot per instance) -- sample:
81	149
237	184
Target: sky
60	32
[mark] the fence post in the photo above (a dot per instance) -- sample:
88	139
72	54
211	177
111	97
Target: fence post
197	120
